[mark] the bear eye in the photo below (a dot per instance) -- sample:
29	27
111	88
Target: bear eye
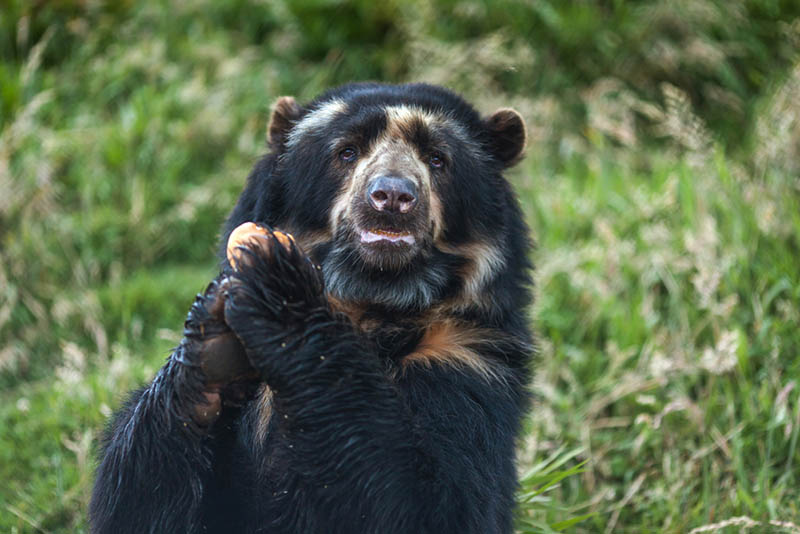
348	154
436	160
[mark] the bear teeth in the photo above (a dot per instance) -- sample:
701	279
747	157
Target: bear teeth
389	233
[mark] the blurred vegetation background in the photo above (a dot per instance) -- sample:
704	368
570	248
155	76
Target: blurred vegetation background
661	183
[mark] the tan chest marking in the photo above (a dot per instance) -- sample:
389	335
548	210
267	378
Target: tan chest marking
448	342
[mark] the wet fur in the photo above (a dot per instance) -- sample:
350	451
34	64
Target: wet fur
392	397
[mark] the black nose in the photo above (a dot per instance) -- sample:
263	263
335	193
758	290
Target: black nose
392	194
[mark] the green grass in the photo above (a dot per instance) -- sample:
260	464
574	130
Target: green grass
668	314
668	285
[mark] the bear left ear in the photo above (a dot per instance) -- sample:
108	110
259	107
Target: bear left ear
507	135
285	113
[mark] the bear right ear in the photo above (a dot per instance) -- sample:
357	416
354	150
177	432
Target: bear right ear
285	113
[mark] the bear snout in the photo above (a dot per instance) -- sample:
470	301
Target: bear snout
392	194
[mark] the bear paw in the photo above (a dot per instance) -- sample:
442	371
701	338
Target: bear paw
213	347
273	290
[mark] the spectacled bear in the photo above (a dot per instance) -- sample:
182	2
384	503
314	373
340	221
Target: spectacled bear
366	375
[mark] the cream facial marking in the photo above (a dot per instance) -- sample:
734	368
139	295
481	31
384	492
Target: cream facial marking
341	207
404	117
401	118
485	260
315	120
393	153
388	154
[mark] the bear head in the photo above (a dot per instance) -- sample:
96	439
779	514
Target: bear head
397	192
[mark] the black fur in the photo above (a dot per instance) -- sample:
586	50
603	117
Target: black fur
357	441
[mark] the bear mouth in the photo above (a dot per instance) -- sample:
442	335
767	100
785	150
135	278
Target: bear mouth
381	235
387	240
386	247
